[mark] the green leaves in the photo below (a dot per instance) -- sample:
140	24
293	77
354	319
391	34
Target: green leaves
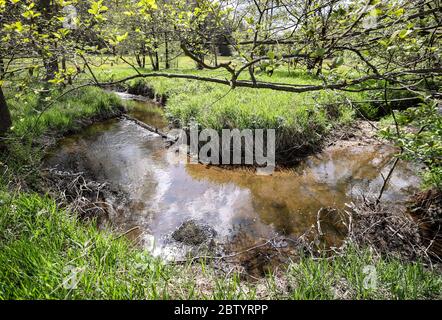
147	5
118	39
336	63
16	26
249	20
122	37
422	141
400	12
404	33
29	13
318	53
97	9
400	35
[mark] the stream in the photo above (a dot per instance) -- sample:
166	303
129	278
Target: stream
240	206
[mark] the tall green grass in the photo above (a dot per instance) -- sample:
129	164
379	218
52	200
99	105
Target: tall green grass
41	245
301	120
216	106
33	115
347	276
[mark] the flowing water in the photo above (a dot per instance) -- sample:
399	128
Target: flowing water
164	194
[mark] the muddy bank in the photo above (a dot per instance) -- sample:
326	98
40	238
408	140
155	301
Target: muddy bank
75	185
50	139
140	91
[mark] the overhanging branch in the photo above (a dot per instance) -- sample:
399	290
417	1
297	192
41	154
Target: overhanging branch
276	86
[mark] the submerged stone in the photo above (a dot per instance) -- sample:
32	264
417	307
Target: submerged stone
193	233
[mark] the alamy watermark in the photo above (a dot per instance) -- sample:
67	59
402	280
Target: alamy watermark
226	147
370	281
70	20
72	277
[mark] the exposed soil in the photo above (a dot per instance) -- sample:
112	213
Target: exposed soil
426	209
73	184
358	134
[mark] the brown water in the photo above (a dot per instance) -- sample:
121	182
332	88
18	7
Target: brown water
163	193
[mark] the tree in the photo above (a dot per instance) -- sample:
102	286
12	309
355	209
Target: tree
389	45
5	116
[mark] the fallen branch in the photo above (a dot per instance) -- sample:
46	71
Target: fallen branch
151	128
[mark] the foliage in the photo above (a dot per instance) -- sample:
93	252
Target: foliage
423	141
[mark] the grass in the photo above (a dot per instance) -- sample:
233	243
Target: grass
63	114
348	276
300	119
297	119
41	244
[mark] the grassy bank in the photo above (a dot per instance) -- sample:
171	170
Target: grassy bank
46	253
35	128
34	115
301	121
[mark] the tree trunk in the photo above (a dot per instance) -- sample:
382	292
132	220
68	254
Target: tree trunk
138	58
2	67
157	59
319	70
310	65
50	62
154	60
215	54
166	43
199	66
5	116
143	56
64	67
51	67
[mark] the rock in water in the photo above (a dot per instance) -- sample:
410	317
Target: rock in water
193	233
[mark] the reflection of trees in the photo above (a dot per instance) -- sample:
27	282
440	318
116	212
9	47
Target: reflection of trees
290	200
